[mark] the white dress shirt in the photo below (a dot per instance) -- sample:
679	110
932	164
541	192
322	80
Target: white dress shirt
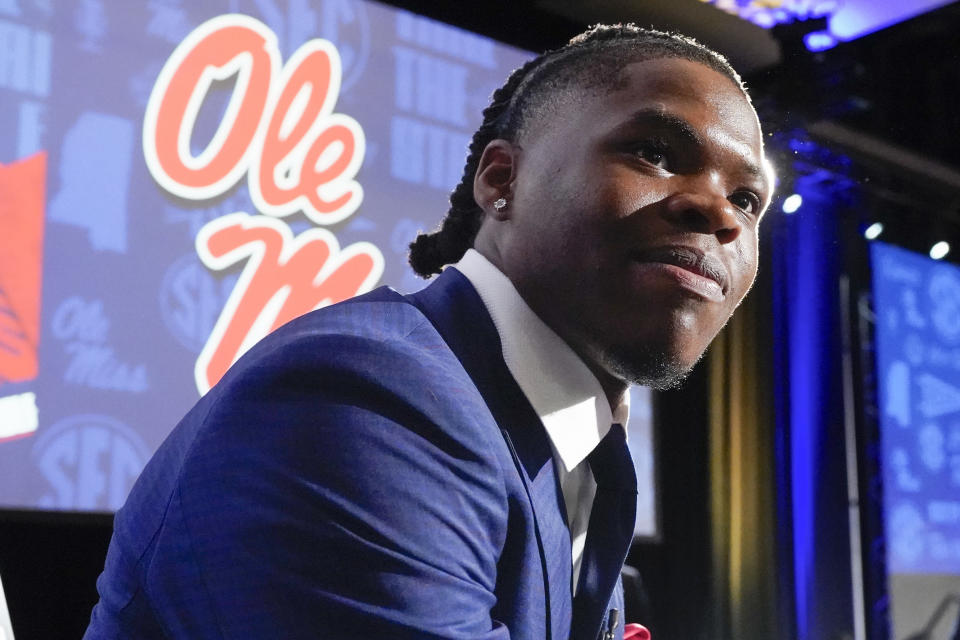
562	390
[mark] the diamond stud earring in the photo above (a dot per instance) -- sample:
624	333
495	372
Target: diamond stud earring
500	204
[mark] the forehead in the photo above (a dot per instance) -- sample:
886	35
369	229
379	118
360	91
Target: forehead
707	100
683	84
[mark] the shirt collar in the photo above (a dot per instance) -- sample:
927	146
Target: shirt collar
562	390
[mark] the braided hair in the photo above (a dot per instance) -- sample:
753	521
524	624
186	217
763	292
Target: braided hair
591	60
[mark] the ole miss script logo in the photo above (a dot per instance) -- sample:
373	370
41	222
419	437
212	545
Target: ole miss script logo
278	130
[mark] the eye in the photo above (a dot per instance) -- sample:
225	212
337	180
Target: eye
653	151
747	201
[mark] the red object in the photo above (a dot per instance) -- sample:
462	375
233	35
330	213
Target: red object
22	192
636	632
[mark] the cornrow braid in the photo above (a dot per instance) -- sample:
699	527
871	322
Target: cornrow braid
429	252
591	59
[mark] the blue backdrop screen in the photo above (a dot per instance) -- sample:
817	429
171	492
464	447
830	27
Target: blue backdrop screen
917	303
917	338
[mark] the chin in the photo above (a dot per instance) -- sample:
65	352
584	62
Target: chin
650	366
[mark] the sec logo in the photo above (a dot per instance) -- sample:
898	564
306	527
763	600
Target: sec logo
90	463
945	297
346	25
191	300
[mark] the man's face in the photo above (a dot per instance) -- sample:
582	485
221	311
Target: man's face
633	217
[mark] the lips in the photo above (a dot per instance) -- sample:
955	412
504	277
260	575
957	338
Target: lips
689	259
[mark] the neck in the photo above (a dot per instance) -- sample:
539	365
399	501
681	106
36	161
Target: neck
485	246
613	387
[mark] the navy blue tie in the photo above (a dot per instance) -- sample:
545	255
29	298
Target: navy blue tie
609	533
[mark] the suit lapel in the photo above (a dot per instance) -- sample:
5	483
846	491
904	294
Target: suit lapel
459	315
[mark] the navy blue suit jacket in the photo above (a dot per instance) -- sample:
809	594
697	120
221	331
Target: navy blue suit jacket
369	470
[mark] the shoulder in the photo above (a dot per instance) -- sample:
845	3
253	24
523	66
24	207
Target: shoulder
355	383
362	384
353	430
346	468
368	348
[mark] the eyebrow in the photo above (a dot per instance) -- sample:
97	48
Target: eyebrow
666	120
683	129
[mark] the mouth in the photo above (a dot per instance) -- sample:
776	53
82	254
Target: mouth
691	260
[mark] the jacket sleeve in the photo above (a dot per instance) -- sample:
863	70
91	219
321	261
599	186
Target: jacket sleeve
339	487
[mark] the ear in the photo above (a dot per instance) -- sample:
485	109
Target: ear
496	172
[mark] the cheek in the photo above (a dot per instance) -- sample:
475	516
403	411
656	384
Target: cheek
744	268
626	191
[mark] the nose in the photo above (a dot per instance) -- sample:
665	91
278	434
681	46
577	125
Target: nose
703	209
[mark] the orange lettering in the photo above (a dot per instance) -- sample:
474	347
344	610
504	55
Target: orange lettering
284	277
219	49
309	154
279	127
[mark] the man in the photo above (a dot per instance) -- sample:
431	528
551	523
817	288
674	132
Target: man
452	464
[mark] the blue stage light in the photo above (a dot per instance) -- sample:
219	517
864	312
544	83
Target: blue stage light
819	41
